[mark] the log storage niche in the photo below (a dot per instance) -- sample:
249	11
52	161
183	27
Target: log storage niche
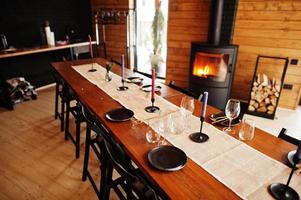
267	85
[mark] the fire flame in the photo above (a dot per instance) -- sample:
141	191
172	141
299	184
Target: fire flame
203	71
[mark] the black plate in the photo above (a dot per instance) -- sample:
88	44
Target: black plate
148	88
134	79
216	116
119	115
167	158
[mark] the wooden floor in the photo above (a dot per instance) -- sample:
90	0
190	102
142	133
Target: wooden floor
35	160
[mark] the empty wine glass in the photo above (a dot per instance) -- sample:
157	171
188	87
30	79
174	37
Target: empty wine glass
232	111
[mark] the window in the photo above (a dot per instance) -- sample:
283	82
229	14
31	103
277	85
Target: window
145	12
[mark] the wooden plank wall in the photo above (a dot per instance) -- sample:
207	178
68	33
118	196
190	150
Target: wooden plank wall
273	28
187	21
115	34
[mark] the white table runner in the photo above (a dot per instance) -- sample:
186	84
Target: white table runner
243	169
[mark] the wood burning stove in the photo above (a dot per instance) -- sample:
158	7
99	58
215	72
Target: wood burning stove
212	64
212	69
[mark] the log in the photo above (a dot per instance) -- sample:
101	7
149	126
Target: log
262	109
251	108
262	104
277	87
273	100
271	108
267	100
252	102
265	80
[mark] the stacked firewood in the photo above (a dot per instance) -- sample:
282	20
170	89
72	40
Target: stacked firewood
264	94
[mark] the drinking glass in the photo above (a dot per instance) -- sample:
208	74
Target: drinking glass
187	108
247	129
162	128
170	125
187	105
151	135
232	111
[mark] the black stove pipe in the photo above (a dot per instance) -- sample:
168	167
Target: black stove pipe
215	25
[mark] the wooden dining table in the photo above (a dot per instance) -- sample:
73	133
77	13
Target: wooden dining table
191	182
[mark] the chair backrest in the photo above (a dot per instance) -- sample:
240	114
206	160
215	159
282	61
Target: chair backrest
92	121
123	166
185	91
119	158
80	50
288	138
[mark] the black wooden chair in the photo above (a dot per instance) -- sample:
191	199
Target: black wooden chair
69	97
131	180
59	85
288	138
111	156
185	91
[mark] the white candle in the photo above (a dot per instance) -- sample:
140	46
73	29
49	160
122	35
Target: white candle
205	99
96	30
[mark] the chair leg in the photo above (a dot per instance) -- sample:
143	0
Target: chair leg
56	100
67	119
62	114
107	176
87	152
77	141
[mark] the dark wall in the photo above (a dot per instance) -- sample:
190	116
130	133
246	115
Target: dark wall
22	21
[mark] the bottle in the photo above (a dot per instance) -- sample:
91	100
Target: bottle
49	35
4	44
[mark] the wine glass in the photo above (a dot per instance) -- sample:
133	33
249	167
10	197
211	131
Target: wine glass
232	111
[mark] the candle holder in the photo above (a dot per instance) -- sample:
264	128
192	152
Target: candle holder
152	108
92	69
281	191
285	192
199	137
123	87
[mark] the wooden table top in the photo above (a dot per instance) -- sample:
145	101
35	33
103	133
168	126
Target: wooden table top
192	182
40	49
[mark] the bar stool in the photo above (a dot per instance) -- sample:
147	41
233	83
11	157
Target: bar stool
185	91
111	156
288	138
131	180
59	85
97	145
69	97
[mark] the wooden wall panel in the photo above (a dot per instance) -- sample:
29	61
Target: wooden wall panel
187	21
268	27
